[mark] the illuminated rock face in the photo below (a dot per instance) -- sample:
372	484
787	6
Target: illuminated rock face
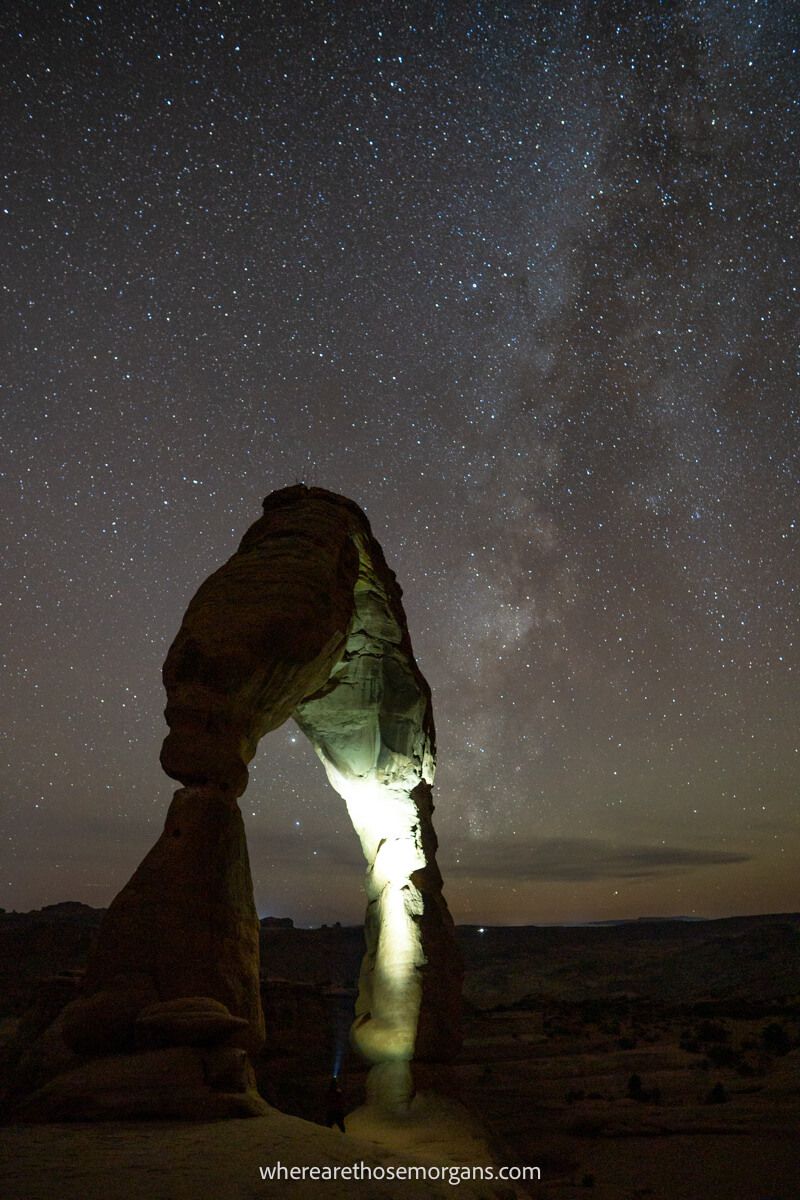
305	620
372	726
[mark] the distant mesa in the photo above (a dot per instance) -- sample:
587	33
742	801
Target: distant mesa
67	907
277	923
69	910
304	621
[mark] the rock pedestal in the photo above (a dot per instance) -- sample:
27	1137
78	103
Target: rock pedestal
186	921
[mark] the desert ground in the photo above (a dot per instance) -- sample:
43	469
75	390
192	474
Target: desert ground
643	1060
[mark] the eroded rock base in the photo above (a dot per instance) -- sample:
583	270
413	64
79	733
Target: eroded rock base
184	1082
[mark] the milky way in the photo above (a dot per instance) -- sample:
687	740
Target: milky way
521	281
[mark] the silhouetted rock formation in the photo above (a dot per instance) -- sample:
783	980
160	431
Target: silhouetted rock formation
186	921
305	620
263	633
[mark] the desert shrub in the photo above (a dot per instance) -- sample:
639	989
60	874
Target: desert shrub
637	1091
720	1055
746	1069
717	1095
574	1094
627	1043
588	1127
587	1181
592	1011
775	1039
712	1031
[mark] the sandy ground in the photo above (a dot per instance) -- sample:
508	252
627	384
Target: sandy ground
210	1161
548	1078
737	1167
182	1161
603	1144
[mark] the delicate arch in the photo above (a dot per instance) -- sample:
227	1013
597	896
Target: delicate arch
305	620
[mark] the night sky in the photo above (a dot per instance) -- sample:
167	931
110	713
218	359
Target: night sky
520	280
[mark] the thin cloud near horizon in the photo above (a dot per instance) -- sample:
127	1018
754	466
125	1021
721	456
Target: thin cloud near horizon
583	860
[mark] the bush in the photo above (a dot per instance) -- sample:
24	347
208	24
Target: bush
746	1070
712	1031
637	1091
717	1095
775	1039
722	1056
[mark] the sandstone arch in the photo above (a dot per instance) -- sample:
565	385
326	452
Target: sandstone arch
304	621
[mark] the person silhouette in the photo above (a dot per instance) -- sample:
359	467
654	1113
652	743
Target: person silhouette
335	1104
